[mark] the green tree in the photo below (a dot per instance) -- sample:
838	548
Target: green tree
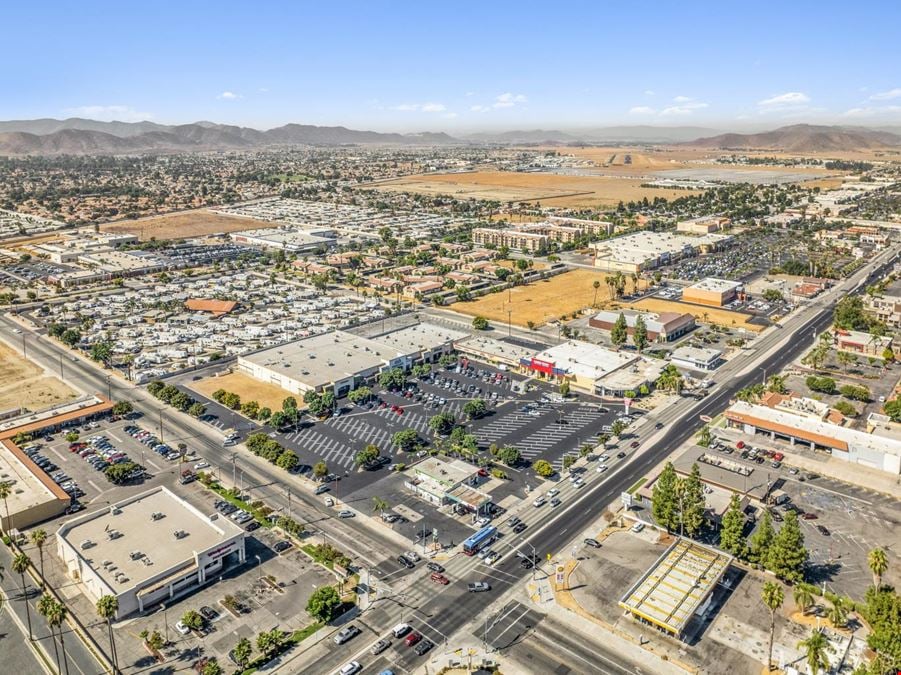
816	649
368	454
773	597
776	384
323	603
70	337
670	379
196	409
379	505
442	423
705	437
849	314
406	439
475	408
6	490
102	351
619	332
192	619
393	378
564	388
692	503
640	334
804	597
762	540
731	538
122	408
787	555
269	642
877	561
320	470
242	652
107	609
480	323
823	385
359	395
664	498
618	428
855	392
211	667
287	460
47	609
509	455
39	538
883	614
543	468
20	566
837	612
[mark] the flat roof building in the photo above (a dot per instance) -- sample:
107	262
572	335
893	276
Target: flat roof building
447	482
711	291
147	549
341	360
696	358
647	250
662	327
877	452
677	587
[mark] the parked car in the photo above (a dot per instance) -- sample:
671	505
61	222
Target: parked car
594	543
346	634
478	587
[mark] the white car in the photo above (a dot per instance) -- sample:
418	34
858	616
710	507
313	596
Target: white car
412	556
602	468
201	465
482	522
346	514
604	457
492	558
541	501
182	628
553	492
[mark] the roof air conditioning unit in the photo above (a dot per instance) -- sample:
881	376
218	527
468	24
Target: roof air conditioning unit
157	515
87	543
136	555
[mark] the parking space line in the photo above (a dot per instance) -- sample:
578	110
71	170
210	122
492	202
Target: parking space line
94	485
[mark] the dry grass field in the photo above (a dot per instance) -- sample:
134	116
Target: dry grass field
547	188
25	385
249	389
542	301
184	225
720	317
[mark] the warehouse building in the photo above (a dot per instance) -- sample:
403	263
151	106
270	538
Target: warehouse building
851	445
148	549
341	361
662	327
304	240
712	292
678	587
646	250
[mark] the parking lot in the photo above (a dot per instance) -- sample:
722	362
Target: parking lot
841	523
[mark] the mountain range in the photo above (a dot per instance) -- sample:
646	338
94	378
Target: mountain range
804	138
83	136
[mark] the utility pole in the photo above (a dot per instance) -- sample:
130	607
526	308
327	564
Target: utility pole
24	348
289	501
61	367
234	469
161	425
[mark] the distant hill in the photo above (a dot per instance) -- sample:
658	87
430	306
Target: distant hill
804	138
621	134
78	136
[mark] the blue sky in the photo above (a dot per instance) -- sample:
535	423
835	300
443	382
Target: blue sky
455	65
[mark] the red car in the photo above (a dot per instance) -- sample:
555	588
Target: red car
399	410
778	456
483	473
809	516
634	444
413	638
740	445
439	578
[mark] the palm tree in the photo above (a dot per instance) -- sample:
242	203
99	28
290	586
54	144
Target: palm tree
379	505
772	596
20	567
596	285
108	608
816	647
39	538
878	562
45	607
56	617
838	613
6	489
803	597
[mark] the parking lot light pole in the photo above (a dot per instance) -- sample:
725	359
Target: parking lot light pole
259	566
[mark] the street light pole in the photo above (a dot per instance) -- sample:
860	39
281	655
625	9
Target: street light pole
259	566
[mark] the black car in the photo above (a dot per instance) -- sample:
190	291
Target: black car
405	562
282	546
209	613
822	530
620	454
519	527
525	563
435	567
594	543
423	646
252	525
659	425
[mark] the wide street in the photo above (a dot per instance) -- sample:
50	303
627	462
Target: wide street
443	613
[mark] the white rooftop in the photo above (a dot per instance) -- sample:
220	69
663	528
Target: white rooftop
716	285
585	359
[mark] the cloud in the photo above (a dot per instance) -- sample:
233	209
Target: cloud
682	99
791	99
887	95
449	115
684	105
263	90
641	110
229	96
109	113
470	93
420	107
872	111
479	108
508	100
649	92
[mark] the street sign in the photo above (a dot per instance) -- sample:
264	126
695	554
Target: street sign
560	577
627	500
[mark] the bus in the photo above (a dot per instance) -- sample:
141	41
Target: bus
479	540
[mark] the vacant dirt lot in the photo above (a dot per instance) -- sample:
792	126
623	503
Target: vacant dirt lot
542	301
721	317
547	188
184	225
23	384
249	389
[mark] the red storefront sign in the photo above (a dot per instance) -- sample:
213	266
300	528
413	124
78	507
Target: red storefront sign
546	367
